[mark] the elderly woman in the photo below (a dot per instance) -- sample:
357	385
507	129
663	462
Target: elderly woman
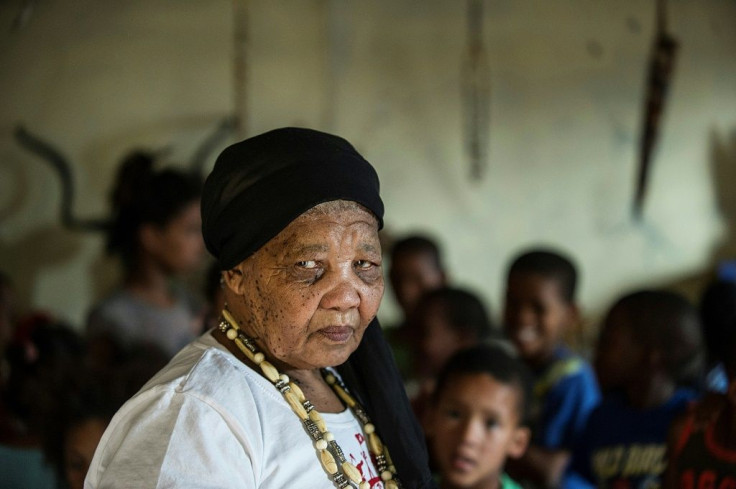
296	387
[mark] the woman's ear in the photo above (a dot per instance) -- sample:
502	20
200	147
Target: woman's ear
519	442
233	279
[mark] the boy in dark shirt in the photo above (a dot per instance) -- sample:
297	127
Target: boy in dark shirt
650	344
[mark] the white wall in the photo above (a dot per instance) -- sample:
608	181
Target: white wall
567	81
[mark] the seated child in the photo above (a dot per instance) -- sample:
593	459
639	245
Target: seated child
416	267
649	343
702	441
445	320
718	315
43	360
479	416
540	307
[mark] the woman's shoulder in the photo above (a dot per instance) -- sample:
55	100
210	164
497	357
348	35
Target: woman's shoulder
207	370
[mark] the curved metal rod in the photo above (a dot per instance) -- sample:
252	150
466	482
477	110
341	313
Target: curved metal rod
227	125
62	167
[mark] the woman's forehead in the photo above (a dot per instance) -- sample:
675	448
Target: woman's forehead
314	231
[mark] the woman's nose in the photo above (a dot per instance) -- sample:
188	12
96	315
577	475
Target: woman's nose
342	294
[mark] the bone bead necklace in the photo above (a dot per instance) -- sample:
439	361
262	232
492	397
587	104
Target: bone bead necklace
343	473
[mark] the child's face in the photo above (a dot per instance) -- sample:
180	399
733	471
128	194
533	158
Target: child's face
438	340
411	275
79	449
178	245
619	358
475	427
536	315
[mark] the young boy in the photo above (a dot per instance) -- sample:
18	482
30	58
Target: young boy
540	307
479	416
416	267
718	316
702	443
446	320
650	342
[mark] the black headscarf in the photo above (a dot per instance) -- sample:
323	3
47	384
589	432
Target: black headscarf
257	187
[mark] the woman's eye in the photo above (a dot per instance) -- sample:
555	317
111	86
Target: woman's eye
491	423
308	264
363	264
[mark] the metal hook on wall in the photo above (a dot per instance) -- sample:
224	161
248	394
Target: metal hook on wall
661	66
63	169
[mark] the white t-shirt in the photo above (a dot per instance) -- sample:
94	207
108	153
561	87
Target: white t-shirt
209	421
130	319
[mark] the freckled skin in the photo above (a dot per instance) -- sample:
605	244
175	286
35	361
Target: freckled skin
309	293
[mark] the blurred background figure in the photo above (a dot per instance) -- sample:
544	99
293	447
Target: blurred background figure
701	449
540	307
81	414
444	320
44	361
718	316
416	267
649	353
156	232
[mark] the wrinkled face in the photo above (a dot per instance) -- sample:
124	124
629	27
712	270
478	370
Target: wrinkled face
476	426
619	358
178	245
309	293
79	447
535	316
411	275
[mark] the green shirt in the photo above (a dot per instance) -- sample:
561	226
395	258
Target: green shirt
508	483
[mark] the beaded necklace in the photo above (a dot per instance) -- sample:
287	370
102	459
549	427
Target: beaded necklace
345	474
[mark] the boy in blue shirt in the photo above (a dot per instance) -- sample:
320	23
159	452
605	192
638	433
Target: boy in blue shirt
539	309
649	345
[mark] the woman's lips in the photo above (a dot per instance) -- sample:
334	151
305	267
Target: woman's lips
338	334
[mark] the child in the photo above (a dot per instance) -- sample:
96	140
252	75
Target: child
702	442
416	267
43	359
540	307
156	232
479	417
649	344
718	314
446	320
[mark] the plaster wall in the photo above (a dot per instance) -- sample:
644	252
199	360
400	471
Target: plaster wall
567	90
